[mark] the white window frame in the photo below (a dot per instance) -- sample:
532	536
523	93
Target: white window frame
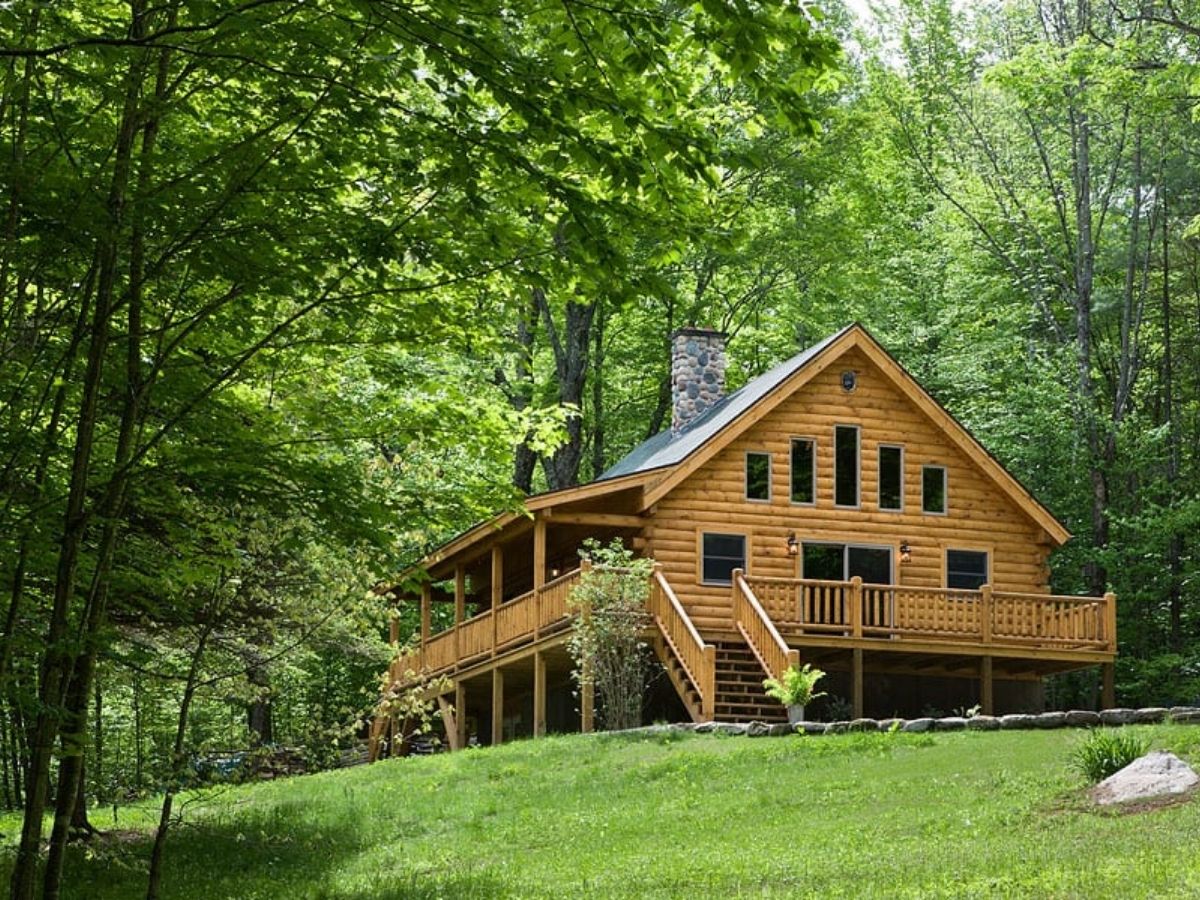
746	476
792	473
945	490
858	468
879	478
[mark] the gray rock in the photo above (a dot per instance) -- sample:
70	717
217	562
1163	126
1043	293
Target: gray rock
837	727
812	727
731	728
780	729
1158	774
1177	711
917	725
863	725
983	723
1051	720
1187	718
1119	716
684	726
889	724
1149	715
1018	721
950	723
706	727
758	729
1082	718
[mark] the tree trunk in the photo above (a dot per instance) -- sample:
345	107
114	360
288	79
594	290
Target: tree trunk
598	436
571	365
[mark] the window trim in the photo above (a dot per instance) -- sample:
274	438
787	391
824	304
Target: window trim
879	478
792	472
746	476
965	548
746	545
945	490
858	468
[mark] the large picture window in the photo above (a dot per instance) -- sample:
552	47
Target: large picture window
804	470
891	477
966	569
720	555
758	476
933	489
845	465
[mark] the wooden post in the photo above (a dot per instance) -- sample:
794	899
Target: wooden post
460	715
460	609
986	691
497	590
708	708
539	552
856	617
426	602
1108	689
450	719
1110	620
539	694
497	706
857	678
986	610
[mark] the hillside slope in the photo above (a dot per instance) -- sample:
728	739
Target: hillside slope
945	815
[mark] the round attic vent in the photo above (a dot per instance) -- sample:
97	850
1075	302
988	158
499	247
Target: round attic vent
849	381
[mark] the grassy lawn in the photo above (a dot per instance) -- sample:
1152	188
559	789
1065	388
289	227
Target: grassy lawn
945	815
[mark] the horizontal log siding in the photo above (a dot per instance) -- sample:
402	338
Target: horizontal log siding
980	516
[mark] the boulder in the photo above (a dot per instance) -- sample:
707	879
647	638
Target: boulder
983	723
1051	720
863	725
1119	716
1187	718
731	728
758	729
917	725
1149	715
1082	718
780	729
837	727
950	723
889	724
1157	774
1177	711
812	727
1018	720
706	727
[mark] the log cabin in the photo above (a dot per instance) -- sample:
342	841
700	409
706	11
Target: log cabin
828	512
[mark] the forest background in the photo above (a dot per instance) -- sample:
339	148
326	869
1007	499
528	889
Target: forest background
291	293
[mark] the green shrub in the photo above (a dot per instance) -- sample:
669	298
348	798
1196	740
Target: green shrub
1106	751
795	688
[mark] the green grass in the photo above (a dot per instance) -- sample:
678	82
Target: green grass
946	815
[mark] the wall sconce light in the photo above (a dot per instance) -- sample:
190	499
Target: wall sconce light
905	552
793	545
554	573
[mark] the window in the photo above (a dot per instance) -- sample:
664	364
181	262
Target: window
845	465
758	476
966	569
933	489
804	470
841	562
722	553
891	477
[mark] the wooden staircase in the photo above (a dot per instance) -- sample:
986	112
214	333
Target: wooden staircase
740	695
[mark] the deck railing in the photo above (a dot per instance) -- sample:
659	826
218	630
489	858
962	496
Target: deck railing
697	658
759	631
984	616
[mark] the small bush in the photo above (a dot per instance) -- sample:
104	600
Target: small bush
1106	751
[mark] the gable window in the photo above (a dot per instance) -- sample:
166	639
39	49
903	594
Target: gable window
758	476
845	465
720	555
933	489
804	470
891	477
966	569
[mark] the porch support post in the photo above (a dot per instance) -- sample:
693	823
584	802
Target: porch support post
857	679
1108	686
497	706
460	716
539	694
539	552
460	608
986	701
497	590
426	602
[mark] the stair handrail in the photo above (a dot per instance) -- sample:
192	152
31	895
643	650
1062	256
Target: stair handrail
697	658
759	632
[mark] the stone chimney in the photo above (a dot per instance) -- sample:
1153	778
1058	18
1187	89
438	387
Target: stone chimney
697	374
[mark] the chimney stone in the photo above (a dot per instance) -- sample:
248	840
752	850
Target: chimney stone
697	374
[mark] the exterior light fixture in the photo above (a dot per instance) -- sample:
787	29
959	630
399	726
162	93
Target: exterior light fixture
905	552
554	573
793	545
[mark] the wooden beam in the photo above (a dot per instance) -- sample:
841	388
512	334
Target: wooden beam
539	694
602	519
857	679
460	594
1108	689
426	600
460	715
497	577
497	706
986	693
539	552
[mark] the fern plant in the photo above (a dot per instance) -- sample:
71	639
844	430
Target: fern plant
1107	751
795	688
